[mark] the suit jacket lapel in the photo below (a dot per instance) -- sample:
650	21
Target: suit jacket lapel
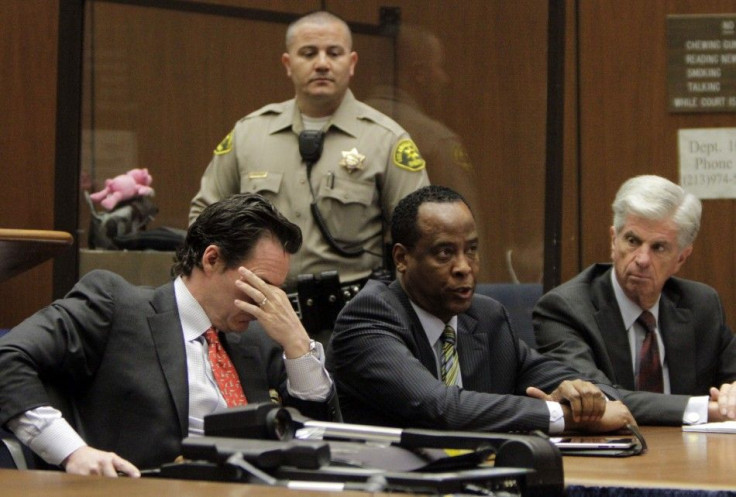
472	348
679	336
248	364
167	335
423	347
612	330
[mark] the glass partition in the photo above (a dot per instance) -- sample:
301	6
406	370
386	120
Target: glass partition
164	82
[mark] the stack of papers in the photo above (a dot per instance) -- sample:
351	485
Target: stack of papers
722	427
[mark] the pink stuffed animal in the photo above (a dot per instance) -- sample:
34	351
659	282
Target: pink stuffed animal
132	184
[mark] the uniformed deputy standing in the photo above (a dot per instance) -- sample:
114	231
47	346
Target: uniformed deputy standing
367	165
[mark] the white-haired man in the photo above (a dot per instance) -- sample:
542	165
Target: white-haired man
662	341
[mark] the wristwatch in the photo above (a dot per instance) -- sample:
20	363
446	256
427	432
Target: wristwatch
312	348
312	351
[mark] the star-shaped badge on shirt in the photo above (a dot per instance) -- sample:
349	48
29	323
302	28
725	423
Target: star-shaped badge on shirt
352	160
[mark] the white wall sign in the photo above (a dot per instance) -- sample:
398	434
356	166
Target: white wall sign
708	162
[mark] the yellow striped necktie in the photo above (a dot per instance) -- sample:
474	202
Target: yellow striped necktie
450	362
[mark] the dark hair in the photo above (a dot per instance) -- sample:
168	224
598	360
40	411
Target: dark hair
404	229
235	225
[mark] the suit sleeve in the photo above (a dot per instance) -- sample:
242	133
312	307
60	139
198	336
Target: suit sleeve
572	337
276	377
380	380
60	343
726	371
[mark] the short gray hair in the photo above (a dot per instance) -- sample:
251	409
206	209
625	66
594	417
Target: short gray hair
656	198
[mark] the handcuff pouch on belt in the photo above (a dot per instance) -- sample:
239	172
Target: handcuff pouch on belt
320	297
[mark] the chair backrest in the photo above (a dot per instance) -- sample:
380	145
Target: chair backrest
519	300
14	455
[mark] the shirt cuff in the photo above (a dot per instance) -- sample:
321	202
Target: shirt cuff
696	411
47	434
307	377
556	417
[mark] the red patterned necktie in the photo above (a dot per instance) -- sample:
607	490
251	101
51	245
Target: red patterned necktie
224	371
650	367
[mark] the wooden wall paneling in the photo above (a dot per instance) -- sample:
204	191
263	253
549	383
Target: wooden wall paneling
619	129
286	6
569	237
495	100
516	150
554	148
626	129
28	57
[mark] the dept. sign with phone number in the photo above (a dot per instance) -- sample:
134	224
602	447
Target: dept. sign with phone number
708	162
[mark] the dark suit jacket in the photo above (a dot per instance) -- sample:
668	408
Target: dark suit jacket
580	323
116	352
386	373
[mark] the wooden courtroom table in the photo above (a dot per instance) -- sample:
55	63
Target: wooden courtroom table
676	459
20	250
15	483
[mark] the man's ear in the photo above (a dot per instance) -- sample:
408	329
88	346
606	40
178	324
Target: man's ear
683	257
613	241
353	62
399	254
211	258
286	61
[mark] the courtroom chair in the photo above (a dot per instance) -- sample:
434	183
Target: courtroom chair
13	454
519	300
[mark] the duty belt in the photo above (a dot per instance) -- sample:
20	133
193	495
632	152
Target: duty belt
319	298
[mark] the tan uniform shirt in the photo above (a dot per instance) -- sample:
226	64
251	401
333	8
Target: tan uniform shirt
367	165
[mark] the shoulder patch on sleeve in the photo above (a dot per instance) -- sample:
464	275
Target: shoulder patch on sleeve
406	156
461	157
225	145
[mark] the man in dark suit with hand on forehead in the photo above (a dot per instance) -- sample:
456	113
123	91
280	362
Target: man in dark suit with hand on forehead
142	367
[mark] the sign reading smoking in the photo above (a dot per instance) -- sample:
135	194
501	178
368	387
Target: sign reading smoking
701	63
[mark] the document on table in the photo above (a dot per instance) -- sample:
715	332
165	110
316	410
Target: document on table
720	427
